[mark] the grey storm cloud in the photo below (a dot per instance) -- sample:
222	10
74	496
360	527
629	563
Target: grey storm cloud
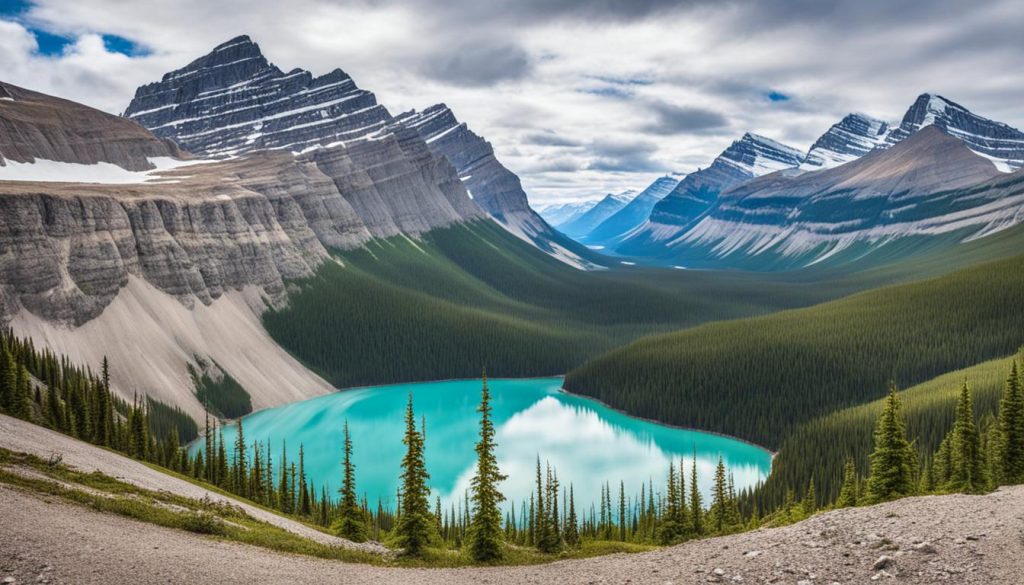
550	138
629	155
479	64
669	119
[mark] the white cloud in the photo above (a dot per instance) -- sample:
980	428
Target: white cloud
591	74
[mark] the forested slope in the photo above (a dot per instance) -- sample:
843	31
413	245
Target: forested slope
474	296
819	448
757	378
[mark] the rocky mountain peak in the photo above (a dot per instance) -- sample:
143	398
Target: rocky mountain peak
232	100
755	155
849	139
1002	144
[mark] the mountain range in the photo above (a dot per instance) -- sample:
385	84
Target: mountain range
943	175
583	223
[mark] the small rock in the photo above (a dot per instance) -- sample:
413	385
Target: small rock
752	553
804	582
9	580
718	572
881	575
972	537
883	562
926	548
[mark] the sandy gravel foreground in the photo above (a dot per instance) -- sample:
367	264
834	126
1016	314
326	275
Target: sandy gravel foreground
933	539
22	437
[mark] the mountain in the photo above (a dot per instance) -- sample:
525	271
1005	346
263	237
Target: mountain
233	101
928	189
994	140
35	125
492	186
559	213
849	139
632	215
749	157
605	208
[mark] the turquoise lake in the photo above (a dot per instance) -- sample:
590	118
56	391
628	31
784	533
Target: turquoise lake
587	442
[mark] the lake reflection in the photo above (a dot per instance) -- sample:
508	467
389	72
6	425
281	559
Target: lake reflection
588	443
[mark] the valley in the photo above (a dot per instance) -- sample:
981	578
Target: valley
267	323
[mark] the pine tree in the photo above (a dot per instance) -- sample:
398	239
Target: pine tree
572	533
284	495
415	528
809	503
305	505
696	504
967	472
486	535
848	490
352	525
717	516
1011	429
240	472
8	378
670	528
540	523
893	460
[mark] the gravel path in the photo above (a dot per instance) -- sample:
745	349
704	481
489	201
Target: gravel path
968	540
22	437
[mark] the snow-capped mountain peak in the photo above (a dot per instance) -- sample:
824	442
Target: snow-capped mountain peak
998	142
849	139
755	155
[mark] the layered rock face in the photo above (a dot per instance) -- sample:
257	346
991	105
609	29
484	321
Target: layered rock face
930	185
493	187
233	101
35	125
994	140
847	140
749	157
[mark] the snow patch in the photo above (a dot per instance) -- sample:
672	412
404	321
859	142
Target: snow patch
51	171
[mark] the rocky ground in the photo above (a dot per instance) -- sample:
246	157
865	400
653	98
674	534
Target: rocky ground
935	539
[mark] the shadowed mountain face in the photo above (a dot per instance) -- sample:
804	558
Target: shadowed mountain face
492	186
636	212
35	125
583	224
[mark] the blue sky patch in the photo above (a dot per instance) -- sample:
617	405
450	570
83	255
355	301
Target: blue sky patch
50	44
13	7
116	44
776	96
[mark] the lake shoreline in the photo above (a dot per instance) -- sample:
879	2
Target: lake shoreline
560	389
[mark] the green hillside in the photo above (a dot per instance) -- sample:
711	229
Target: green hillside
757	378
473	295
820	447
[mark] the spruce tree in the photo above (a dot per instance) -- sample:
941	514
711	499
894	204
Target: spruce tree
485	531
967	473
848	490
415	528
696	504
809	503
1011	429
717	515
893	460
305	505
670	528
351	525
8	378
572	533
240	472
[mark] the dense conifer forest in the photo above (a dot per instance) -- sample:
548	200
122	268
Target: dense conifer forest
963	448
438	308
757	378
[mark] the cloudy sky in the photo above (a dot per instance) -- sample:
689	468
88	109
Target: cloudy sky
579	97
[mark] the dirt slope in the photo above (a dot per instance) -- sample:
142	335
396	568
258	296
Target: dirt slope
934	539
